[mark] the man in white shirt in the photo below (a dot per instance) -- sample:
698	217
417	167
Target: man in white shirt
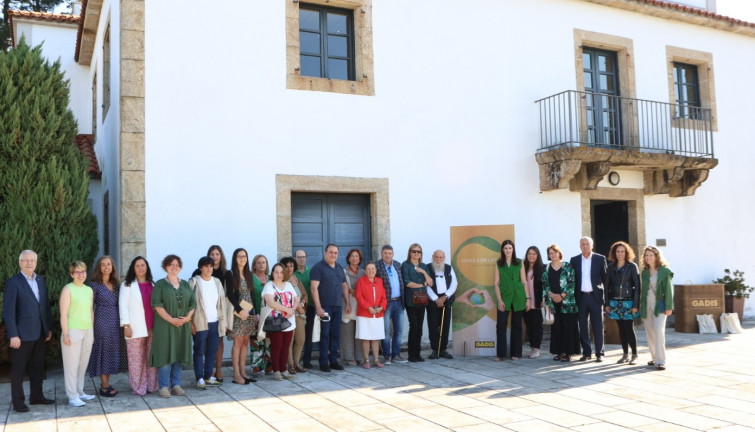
439	308
591	272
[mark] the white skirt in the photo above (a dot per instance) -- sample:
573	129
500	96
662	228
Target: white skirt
370	328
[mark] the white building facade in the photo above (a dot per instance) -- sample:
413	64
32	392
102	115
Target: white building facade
212	126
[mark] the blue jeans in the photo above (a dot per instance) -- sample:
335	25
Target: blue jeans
205	347
169	375
330	336
394	313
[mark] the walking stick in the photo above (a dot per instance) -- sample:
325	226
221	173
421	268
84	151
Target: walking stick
442	319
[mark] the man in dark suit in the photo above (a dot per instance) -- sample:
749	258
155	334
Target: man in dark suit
28	321
590	270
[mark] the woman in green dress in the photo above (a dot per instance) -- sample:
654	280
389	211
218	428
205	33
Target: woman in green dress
174	303
510	281
260	349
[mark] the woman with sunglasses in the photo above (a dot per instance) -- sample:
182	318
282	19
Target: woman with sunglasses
174	303
415	276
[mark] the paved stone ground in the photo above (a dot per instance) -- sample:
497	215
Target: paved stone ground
709	385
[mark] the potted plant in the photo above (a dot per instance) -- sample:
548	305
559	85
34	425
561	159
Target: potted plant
736	291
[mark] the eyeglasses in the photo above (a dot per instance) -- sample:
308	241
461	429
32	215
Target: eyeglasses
241	256
80	272
301	257
417	251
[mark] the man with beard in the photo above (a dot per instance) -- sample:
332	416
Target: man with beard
439	308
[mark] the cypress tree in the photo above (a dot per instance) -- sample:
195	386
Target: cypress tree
43	180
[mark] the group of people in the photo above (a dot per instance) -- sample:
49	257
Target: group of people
578	293
152	329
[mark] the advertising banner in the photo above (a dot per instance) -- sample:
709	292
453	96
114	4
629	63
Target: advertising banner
475	250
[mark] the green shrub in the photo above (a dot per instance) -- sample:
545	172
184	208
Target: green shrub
43	180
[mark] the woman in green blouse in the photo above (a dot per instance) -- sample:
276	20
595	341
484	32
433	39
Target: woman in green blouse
558	293
509	282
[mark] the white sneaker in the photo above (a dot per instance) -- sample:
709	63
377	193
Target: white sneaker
201	384
76	402
287	375
535	353
86	397
278	376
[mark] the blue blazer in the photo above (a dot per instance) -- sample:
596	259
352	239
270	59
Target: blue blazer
24	316
598	276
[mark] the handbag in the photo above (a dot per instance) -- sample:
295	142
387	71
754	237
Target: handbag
419	297
276	323
548	317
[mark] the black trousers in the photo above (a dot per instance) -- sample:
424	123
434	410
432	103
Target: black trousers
434	315
590	307
416	317
516	333
627	336
307	356
533	319
31	354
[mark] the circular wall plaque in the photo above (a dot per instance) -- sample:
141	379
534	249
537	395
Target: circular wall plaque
614	178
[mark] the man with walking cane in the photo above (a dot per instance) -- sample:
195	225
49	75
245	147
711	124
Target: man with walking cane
439	308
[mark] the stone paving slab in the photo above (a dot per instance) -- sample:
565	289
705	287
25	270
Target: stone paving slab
709	386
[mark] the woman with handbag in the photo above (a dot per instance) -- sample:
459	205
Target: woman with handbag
510	281
623	296
558	292
533	318
656	302
238	289
349	352
371	304
297	342
280	296
416	280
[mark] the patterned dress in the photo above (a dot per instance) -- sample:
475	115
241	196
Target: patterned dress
245	327
109	348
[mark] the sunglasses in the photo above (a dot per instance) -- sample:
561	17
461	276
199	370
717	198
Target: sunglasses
417	251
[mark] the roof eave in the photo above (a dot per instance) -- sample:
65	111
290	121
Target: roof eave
681	13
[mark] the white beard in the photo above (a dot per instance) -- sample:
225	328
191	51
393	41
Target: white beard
439	268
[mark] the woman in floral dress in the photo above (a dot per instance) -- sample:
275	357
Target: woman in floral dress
109	349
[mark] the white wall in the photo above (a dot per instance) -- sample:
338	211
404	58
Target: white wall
59	43
452	121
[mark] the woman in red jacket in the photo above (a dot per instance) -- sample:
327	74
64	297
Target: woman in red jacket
371	304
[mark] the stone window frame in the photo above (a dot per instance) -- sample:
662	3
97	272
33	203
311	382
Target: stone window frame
624	49
705	79
364	83
376	188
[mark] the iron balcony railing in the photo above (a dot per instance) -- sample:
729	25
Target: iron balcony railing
577	118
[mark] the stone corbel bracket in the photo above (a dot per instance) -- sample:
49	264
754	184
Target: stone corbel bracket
582	168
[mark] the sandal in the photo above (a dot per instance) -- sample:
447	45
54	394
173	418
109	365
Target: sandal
292	370
108	391
378	365
366	365
300	369
651	363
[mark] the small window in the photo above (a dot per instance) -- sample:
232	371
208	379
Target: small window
686	90
327	42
